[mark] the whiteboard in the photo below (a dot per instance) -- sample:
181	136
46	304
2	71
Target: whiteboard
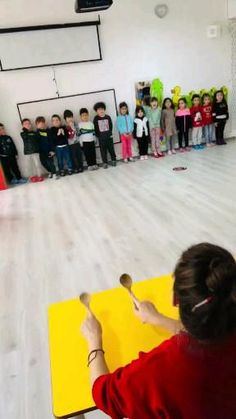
231	9
48	107
39	48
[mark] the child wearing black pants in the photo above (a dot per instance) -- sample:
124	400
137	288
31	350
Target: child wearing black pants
87	139
103	130
46	152
183	123
141	132
220	114
8	153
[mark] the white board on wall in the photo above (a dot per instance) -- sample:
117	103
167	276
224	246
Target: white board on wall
231	9
44	47
48	107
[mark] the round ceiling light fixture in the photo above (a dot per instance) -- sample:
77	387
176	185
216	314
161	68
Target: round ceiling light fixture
161	10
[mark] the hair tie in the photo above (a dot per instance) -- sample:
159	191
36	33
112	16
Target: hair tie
202	303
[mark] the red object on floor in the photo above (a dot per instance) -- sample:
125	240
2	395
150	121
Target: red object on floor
3	184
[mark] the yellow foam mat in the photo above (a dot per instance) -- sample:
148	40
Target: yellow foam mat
124	337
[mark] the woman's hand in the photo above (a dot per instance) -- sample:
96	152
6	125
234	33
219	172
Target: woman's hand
148	313
92	331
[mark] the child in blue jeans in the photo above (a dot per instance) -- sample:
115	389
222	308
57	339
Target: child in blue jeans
59	138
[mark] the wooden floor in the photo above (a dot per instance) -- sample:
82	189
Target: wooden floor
59	238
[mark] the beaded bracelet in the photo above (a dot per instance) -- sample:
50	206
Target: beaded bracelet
95	351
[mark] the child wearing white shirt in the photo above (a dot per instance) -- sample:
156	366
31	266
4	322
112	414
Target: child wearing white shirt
87	139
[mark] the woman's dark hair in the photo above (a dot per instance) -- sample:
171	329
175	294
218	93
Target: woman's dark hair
83	110
195	97
183	100
139	108
164	103
214	99
99	105
206	271
68	114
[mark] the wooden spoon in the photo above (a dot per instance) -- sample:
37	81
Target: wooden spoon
127	282
85	299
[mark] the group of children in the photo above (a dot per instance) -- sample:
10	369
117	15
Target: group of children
203	118
70	141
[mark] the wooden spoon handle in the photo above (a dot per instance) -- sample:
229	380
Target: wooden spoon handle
135	300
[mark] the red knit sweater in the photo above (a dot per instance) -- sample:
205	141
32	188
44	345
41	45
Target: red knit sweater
207	118
181	379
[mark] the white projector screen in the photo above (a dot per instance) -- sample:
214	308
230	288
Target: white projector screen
48	107
39	48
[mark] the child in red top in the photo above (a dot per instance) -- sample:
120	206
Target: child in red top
196	114
193	374
207	119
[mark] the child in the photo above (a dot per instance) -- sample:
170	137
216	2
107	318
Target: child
196	114
103	130
207	119
87	139
8	154
141	132
183	124
154	119
221	115
46	152
59	139
125	126
73	140
168	124
31	150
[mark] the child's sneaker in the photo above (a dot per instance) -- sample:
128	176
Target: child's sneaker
155	154
33	179
56	176
160	155
201	146
105	166
141	157
208	145
125	160
131	159
169	153
62	173
14	181
145	157
188	149
181	150
22	181
95	167
40	178
70	172
90	168
50	176
173	151
113	163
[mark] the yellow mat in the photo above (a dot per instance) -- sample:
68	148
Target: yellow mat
124	338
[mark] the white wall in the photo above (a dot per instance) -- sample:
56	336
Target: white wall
135	45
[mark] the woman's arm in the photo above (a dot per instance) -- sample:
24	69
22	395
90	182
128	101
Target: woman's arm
147	313
92	331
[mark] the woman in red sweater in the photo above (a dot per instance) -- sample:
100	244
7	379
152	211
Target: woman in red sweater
193	374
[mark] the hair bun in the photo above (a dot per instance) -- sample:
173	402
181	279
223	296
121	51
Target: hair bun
221	279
